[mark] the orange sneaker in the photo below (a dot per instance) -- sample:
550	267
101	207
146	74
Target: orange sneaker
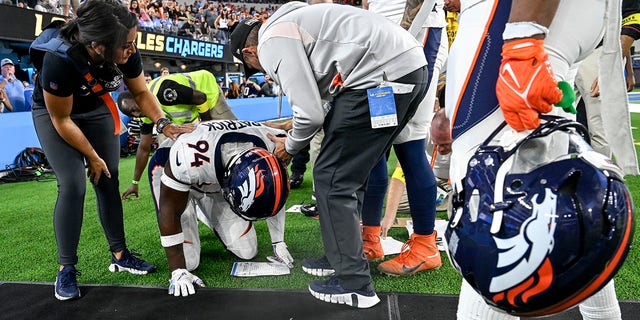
418	253
371	242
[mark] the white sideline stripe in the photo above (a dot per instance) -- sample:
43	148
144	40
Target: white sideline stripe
634	107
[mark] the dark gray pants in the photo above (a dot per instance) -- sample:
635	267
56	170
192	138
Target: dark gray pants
69	167
349	151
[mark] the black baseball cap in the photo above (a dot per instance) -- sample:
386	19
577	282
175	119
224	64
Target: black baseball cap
172	93
238	39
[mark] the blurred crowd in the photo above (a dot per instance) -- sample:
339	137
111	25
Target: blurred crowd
200	19
208	21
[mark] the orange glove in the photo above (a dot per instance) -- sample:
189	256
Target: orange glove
526	85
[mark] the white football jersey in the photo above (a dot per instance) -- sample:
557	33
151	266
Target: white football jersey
199	158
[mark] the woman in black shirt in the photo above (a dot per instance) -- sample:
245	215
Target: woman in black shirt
76	123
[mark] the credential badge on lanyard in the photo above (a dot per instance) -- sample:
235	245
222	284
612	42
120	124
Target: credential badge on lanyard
382	106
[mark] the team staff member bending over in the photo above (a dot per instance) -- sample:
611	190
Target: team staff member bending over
78	125
327	57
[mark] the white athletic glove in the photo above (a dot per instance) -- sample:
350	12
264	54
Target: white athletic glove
282	255
182	282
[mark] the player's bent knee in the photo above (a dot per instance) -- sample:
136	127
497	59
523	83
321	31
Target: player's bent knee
244	252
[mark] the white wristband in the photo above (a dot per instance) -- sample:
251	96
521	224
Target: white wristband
514	30
172	240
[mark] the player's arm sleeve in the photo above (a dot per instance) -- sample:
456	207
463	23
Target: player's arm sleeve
295	76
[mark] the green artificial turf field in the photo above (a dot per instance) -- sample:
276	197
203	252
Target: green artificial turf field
29	250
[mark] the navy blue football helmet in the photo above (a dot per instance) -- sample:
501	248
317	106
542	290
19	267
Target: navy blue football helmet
536	236
255	184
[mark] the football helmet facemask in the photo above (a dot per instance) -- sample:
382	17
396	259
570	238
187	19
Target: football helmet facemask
255	184
533	236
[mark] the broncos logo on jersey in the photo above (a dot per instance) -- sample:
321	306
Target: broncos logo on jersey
252	187
524	256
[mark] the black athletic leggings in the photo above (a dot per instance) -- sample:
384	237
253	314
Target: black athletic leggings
69	167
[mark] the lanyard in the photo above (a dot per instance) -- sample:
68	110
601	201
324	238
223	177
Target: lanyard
96	87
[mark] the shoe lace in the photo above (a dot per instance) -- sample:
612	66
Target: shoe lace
406	249
68	276
320	263
369	237
333	280
132	258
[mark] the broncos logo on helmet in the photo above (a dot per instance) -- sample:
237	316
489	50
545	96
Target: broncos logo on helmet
525	255
542	225
252	187
255	184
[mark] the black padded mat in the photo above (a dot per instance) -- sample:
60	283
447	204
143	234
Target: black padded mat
36	301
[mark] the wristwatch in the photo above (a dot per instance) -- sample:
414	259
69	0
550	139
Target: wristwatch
161	123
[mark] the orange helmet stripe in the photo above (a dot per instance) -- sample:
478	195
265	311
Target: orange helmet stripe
274	167
604	276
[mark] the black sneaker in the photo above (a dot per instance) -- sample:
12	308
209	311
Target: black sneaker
296	179
332	291
318	267
130	262
309	210
67	284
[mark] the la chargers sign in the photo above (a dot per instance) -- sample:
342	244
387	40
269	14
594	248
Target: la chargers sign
177	46
32	22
